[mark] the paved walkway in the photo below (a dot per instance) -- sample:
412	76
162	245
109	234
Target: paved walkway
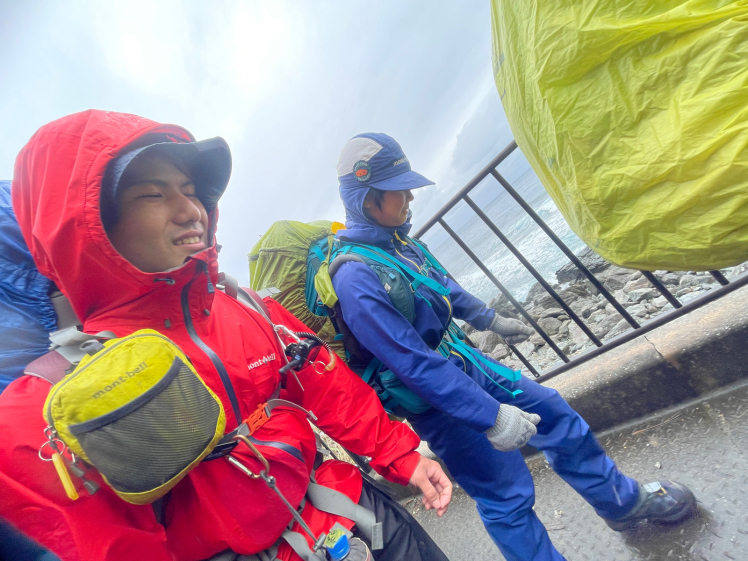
703	444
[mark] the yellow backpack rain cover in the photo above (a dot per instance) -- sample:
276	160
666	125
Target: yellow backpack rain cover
634	115
139	413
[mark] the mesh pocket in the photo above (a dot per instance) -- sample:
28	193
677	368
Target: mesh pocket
145	443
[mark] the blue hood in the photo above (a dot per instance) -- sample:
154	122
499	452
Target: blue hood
359	229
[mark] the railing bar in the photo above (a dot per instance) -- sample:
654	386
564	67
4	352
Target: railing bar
524	360
562	246
661	287
719	277
510	246
647	327
503	290
481	175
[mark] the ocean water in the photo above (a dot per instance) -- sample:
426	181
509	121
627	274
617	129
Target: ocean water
516	225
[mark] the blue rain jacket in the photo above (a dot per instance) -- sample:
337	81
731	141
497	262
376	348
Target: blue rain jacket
406	348
26	312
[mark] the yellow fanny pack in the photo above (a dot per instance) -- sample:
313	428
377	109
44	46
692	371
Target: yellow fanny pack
138	412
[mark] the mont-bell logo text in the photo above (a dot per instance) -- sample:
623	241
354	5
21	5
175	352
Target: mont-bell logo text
261	361
121	379
400	161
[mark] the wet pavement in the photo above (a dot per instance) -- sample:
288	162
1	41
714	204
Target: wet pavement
703	444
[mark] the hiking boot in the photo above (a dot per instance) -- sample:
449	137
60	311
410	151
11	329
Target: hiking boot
662	502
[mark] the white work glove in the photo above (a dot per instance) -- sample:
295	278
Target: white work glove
513	428
512	330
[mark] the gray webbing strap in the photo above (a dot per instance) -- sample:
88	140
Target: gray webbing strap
65	315
269	554
230	284
301	547
269	291
334	502
68	342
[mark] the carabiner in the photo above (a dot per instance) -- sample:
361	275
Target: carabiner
244	469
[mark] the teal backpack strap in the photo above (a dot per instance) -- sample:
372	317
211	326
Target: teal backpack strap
371	369
391	391
379	256
453	341
429	257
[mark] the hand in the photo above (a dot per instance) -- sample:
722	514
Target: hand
436	487
512	330
513	428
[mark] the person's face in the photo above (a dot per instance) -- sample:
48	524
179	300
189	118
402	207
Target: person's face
393	210
161	221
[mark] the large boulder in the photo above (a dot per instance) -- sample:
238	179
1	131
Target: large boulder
546	301
503	306
577	336
620	327
641	282
583	306
690	280
486	341
569	295
615	278
641	294
535	291
550	325
500	352
590	259
669	278
638	310
603	327
552	313
526	348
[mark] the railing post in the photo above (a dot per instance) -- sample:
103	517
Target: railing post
503	290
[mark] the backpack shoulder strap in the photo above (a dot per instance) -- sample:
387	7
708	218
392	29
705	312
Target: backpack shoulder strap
51	367
433	261
253	298
341	258
247	296
375	254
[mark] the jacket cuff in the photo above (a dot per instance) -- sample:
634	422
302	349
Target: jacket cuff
401	470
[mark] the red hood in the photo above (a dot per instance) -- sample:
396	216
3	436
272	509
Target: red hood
56	189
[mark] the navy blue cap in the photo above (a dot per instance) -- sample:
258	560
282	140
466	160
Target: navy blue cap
208	163
376	160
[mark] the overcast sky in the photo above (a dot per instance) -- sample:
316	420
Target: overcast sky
286	83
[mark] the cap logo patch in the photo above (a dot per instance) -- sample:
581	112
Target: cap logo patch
362	170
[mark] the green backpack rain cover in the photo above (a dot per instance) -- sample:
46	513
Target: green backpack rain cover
279	260
634	115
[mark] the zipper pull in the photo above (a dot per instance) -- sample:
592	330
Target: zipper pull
53	441
90	486
64	476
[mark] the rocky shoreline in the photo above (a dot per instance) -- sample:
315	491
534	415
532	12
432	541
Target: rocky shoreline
630	288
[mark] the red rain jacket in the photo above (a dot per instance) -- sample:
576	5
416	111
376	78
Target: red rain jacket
56	191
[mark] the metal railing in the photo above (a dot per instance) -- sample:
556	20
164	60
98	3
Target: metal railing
679	308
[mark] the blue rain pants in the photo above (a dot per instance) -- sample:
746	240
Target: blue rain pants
500	482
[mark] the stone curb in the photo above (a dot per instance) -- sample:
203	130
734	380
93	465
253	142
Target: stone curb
677	362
